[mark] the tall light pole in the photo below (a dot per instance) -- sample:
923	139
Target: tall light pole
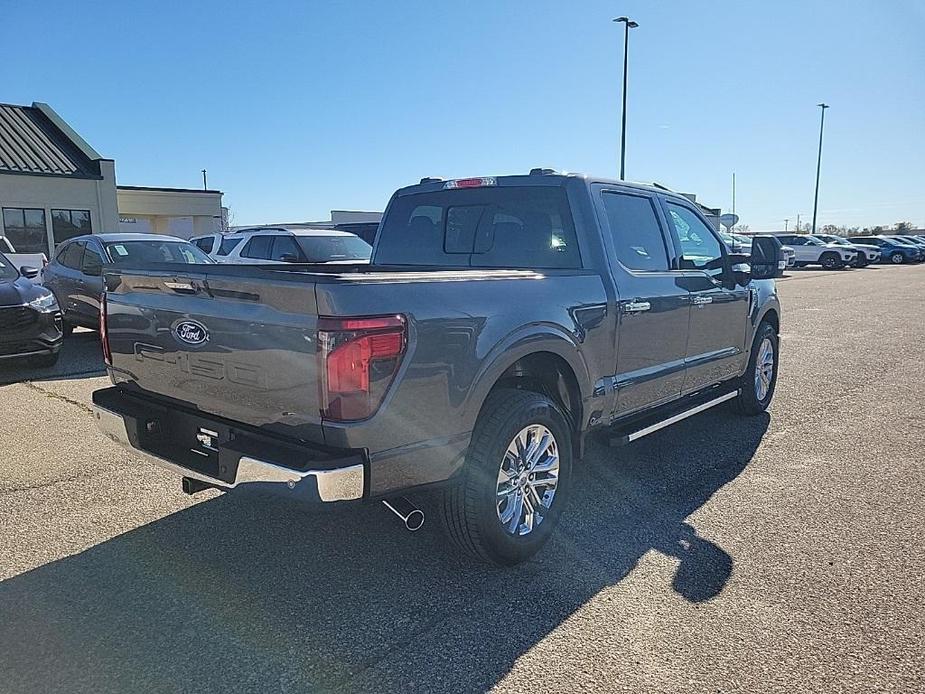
205	181
786	224
628	24
733	192
822	108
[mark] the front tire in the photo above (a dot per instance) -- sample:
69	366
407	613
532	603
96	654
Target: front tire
515	481
830	261
757	386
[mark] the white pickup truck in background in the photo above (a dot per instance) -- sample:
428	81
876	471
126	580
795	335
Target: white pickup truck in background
36	260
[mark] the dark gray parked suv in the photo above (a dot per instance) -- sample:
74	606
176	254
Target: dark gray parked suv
75	274
501	321
30	322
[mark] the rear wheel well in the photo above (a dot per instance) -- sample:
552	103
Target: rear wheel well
551	375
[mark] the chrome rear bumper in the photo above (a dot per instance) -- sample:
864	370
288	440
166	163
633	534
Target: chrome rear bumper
338	484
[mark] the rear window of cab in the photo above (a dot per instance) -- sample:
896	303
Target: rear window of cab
485	227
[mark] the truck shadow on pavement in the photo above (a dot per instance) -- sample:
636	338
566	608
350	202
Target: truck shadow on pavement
240	594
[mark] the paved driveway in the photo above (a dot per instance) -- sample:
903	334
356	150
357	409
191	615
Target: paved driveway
780	553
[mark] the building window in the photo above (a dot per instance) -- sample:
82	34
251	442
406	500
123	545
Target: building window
66	224
25	229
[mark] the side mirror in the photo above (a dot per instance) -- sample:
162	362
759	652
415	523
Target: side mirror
765	258
29	272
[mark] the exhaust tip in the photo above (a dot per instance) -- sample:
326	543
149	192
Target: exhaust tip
415	520
411	515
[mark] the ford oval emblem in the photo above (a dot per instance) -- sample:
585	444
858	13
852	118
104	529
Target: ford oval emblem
190	332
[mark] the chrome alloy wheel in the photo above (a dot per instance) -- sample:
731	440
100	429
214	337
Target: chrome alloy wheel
527	479
764	369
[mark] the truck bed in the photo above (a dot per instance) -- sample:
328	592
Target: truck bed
258	362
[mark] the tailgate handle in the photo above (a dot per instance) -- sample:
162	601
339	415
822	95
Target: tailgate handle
182	287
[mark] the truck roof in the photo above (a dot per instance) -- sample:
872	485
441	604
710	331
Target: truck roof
542	177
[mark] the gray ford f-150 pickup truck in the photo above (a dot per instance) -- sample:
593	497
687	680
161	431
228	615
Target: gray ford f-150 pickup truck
501	321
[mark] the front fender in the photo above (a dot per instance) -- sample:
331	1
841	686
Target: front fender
765	301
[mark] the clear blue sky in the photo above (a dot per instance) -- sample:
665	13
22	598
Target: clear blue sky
296	110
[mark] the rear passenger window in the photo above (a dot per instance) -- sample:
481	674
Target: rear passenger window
258	248
229	244
637	235
285	246
206	243
72	255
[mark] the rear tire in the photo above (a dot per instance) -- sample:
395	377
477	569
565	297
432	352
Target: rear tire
474	510
897	258
757	389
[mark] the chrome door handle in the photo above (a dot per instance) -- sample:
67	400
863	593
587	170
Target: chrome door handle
636	306
702	300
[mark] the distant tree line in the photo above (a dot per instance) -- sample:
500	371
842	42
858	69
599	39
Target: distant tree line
897	228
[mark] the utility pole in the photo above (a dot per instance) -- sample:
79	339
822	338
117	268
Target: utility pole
822	107
786	222
798	222
733	192
205	184
629	24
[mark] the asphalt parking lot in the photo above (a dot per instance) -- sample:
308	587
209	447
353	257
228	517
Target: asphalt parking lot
779	553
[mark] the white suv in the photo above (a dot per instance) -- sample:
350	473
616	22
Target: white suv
867	253
812	251
281	245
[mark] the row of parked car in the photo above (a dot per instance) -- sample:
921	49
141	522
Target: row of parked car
833	252
41	302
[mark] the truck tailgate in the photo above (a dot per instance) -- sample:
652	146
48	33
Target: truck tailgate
241	347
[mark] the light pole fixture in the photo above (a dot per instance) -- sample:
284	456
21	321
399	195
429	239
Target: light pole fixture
822	108
628	24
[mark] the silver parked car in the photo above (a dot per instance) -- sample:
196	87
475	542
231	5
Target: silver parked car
75	274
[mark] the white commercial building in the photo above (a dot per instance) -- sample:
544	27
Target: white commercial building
53	185
182	212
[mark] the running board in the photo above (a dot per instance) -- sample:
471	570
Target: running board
622	440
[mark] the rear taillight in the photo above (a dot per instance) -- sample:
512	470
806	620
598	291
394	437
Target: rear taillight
359	358
104	333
